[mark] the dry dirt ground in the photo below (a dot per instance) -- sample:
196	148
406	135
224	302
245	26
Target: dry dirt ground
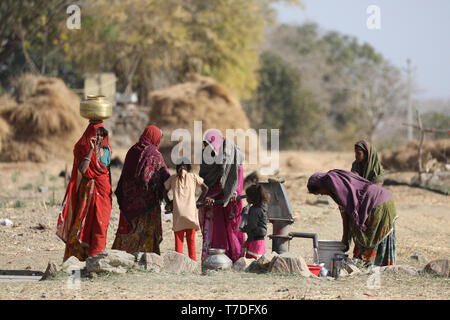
423	226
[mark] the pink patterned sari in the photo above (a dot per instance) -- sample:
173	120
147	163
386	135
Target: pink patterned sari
220	225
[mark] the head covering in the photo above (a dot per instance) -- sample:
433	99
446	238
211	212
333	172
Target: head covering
215	139
149	142
151	135
357	195
371	168
225	168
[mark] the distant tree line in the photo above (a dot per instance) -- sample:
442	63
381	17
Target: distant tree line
322	89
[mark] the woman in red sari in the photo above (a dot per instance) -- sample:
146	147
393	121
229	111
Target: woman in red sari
86	209
139	193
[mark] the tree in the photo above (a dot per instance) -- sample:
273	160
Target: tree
283	104
33	28
156	43
352	83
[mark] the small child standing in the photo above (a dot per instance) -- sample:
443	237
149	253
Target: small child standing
185	214
256	227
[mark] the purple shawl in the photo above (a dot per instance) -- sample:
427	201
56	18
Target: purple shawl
357	195
141	184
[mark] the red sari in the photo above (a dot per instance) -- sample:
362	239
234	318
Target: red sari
86	209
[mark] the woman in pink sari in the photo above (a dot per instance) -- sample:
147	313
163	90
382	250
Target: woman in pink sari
222	172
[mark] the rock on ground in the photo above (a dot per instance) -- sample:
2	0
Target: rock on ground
177	263
438	267
419	258
116	261
399	269
52	268
73	262
263	263
289	263
151	261
242	264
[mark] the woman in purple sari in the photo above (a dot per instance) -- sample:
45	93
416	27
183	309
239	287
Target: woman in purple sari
222	172
368	214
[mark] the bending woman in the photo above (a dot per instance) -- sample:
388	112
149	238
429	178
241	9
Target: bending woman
222	172
367	163
86	209
368	214
139	193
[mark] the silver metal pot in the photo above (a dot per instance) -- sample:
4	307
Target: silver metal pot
217	260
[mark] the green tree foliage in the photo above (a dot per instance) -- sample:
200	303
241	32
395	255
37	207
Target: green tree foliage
34	38
150	44
283	104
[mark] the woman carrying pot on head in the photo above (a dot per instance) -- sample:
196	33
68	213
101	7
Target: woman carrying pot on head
86	209
222	171
367	163
368	214
139	193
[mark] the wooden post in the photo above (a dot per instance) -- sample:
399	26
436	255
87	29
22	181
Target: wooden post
422	136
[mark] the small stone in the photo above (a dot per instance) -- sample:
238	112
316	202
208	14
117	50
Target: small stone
242	264
399	269
419	258
262	264
115	261
52	268
42	189
438	267
73	263
152	262
323	200
177	263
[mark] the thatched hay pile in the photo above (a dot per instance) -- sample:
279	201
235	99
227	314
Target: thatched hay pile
39	121
199	99
406	158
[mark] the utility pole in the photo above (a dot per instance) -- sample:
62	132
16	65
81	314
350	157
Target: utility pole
408	72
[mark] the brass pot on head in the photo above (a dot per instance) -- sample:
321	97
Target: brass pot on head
95	108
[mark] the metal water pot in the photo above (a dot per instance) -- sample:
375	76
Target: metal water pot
95	108
217	260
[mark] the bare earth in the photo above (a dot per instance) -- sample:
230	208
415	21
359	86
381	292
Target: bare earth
423	226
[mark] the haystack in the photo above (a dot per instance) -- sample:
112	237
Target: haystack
199	99
41	118
406	158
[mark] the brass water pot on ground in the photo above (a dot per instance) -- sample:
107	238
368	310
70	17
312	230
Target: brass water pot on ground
96	108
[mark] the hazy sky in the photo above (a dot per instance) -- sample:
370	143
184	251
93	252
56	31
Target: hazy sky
415	29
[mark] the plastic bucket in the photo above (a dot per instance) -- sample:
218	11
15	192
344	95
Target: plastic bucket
314	269
327	249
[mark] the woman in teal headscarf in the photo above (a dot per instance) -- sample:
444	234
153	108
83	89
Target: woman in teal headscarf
367	164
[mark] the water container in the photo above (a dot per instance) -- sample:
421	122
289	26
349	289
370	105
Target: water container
327	250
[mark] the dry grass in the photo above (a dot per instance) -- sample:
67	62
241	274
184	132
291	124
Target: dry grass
42	120
406	158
